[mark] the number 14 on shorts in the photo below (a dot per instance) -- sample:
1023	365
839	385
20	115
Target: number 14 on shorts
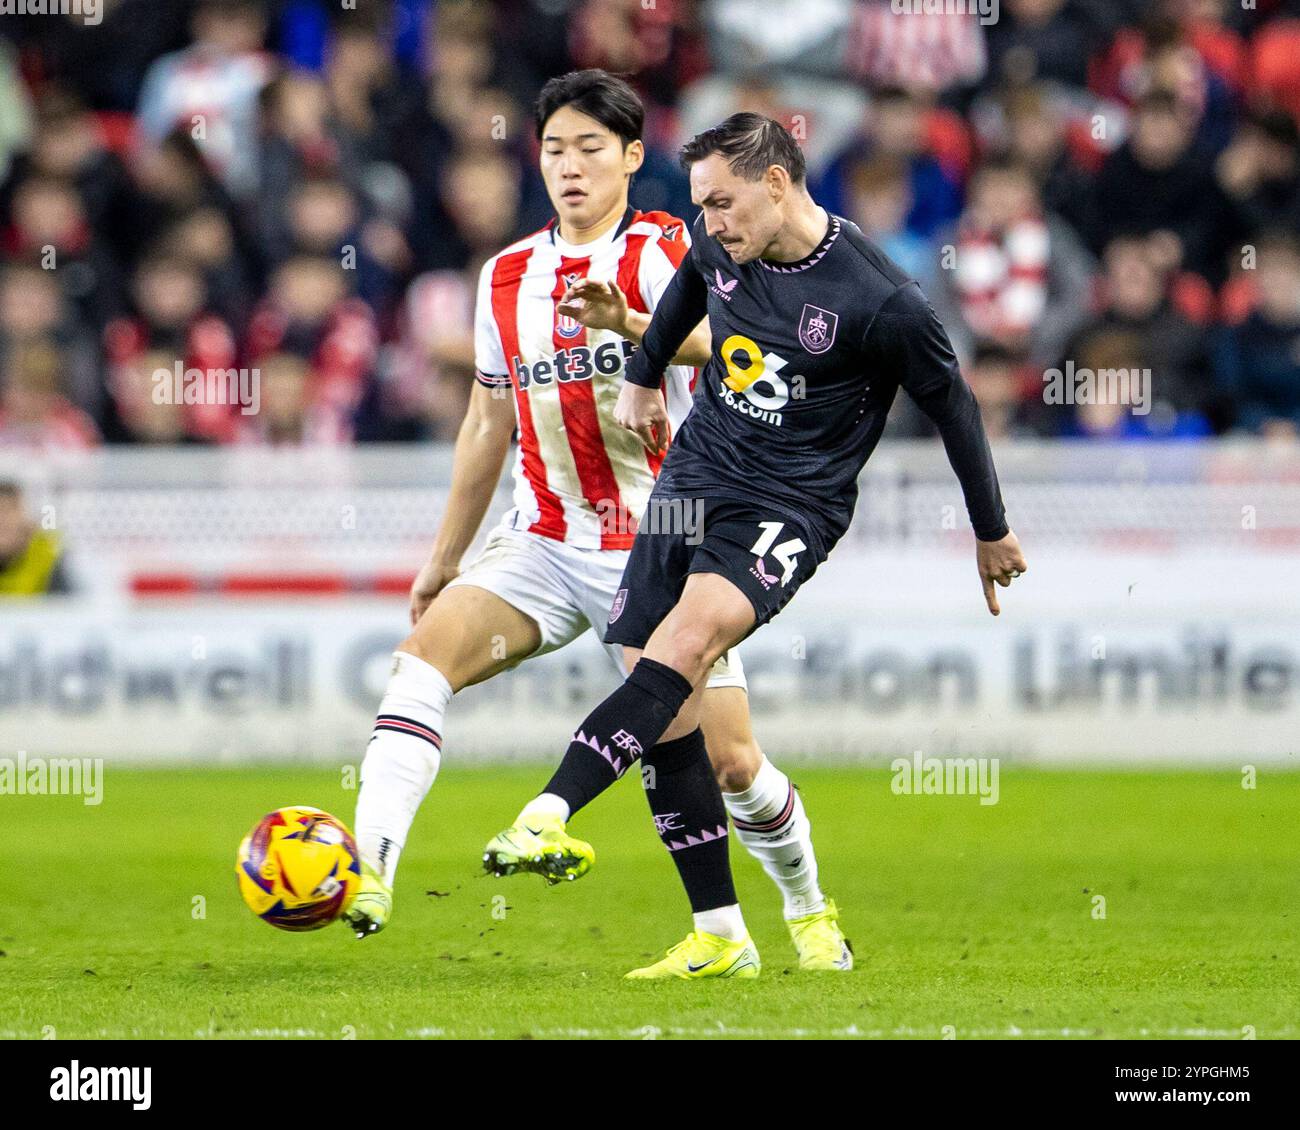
785	554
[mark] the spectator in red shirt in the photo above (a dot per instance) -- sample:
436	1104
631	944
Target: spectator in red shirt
171	316
310	313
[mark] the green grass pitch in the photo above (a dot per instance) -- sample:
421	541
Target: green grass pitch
968	921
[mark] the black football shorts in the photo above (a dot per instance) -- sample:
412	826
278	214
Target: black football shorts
763	554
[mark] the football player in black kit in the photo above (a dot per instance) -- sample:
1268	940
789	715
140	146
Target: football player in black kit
814	332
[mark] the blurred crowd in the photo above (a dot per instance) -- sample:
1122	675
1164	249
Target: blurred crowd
309	187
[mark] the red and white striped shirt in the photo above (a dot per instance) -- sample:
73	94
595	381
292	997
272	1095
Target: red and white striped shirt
935	49
579	477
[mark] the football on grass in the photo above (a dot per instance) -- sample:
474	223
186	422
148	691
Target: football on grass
298	868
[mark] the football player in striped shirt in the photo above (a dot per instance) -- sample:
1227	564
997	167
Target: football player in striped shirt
558	313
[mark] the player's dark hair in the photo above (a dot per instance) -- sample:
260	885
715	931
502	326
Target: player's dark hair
10	489
751	144
599	95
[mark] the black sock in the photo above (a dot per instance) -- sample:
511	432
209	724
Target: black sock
690	818
614	735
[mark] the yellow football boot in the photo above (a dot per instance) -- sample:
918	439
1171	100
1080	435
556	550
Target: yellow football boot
703	955
539	845
820	942
371	906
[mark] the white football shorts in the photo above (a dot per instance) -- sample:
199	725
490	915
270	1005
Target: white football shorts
565	590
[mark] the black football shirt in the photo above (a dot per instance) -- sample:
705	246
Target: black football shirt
807	359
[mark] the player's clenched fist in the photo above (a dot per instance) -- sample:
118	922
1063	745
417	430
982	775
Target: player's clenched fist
1001	562
642	410
428	583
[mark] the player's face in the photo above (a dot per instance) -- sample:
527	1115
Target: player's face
741	215
586	167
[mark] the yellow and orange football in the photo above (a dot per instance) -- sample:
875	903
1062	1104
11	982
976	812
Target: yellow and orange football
298	868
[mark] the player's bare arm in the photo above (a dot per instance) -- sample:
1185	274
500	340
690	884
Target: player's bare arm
603	306
481	448
676	321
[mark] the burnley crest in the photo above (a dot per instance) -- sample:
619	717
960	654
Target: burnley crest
817	328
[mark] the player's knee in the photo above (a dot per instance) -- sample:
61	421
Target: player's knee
735	763
690	649
414	645
440	658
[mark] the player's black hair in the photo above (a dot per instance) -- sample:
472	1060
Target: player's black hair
751	144
10	489
598	94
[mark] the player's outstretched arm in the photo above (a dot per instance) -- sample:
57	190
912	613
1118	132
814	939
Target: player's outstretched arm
481	448
915	345
640	406
603	306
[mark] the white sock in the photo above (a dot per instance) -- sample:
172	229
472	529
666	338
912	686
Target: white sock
542	807
401	760
725	921
770	821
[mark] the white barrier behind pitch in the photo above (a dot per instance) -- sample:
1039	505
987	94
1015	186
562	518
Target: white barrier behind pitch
1158	623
